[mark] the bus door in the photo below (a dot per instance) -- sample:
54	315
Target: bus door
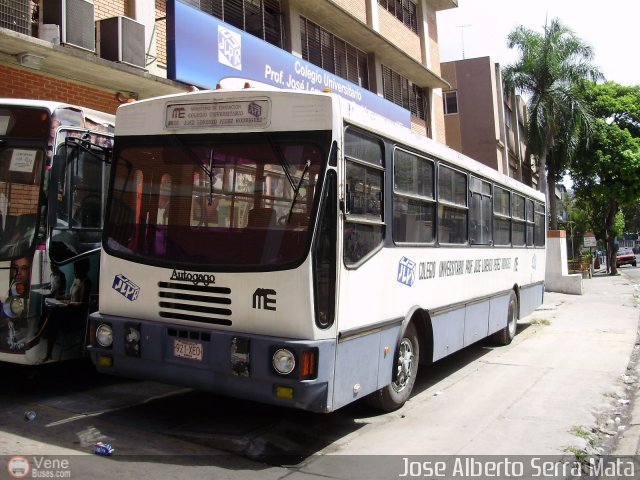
77	194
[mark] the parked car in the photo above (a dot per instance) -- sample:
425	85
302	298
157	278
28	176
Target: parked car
625	256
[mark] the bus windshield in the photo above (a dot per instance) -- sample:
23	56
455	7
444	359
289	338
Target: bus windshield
228	202
20	175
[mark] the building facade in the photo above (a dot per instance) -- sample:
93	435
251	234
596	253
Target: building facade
100	53
485	122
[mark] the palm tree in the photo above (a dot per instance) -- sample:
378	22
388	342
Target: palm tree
551	68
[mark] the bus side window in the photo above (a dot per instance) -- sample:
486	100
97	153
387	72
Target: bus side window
452	205
501	216
480	232
413	198
364	224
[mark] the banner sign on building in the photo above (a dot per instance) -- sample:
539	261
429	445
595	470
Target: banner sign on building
203	51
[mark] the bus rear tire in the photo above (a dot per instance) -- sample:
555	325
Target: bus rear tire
507	334
394	395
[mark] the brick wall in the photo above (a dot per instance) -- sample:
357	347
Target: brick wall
24	198
357	8
161	31
23	83
110	8
398	34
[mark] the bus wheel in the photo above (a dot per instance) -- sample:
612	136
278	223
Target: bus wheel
504	336
394	395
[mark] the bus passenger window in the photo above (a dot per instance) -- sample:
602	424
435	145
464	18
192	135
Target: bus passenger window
501	216
480	232
530	222
452	206
413	202
518	221
364	225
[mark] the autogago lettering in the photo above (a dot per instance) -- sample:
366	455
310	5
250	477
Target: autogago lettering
194	278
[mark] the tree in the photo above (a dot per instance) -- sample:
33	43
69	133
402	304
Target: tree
606	170
551	66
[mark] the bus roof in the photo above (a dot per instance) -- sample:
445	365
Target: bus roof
52	105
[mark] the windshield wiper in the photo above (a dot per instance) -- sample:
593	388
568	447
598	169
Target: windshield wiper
283	161
208	170
296	190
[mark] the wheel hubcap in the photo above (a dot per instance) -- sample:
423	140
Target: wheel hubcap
405	365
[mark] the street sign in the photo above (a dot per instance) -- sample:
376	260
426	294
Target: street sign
589	240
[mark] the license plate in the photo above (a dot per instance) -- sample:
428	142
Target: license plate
187	349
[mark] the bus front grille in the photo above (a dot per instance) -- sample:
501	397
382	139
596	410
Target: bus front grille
195	303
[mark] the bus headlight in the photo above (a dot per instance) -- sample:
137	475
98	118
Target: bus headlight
104	335
14	307
283	361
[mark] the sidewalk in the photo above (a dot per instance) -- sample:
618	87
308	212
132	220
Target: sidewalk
617	427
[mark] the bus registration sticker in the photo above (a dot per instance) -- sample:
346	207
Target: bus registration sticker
187	349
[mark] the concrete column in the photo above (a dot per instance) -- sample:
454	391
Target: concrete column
373	18
557	277
145	12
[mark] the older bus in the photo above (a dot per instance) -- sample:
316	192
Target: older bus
293	248
52	189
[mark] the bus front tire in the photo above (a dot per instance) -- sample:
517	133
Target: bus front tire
507	334
394	395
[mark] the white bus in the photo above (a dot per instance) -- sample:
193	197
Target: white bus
52	193
292	248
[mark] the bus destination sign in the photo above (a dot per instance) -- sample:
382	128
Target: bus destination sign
254	113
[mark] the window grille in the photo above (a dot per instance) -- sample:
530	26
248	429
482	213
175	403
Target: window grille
261	18
16	15
403	92
333	54
403	10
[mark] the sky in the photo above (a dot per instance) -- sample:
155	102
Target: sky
479	28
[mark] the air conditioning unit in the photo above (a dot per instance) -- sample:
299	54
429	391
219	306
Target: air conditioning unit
76	20
121	40
16	15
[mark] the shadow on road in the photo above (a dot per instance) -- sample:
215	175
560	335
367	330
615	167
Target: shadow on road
146	410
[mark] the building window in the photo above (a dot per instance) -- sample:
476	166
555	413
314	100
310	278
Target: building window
450	102
333	54
508	114
403	92
403	10
261	18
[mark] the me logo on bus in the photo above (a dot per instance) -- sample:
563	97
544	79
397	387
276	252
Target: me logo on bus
264	298
406	271
229	48
125	287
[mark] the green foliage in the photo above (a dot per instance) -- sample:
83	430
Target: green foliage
606	171
551	68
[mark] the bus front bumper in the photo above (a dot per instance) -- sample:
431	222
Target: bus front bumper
228	363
